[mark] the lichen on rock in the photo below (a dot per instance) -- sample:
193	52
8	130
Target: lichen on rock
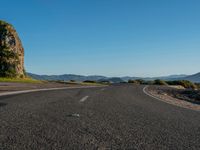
11	52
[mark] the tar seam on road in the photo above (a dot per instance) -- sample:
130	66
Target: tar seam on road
84	99
47	89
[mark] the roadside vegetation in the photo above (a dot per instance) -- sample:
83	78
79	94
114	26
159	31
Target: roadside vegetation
189	91
86	82
160	82
189	95
198	85
20	80
104	82
91	82
140	82
184	83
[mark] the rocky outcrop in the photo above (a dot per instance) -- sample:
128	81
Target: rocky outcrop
11	52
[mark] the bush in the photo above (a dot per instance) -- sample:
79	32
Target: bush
186	84
159	82
104	82
133	81
149	82
197	85
89	81
140	81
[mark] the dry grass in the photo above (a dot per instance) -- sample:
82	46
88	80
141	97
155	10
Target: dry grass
20	80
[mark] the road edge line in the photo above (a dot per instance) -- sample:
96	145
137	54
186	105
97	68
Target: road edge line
145	92
46	89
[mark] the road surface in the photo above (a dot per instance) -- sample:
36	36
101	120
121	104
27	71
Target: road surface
113	117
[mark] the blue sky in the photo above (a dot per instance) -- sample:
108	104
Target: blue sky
107	37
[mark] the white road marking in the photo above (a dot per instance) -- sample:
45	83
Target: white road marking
74	115
84	99
102	89
47	89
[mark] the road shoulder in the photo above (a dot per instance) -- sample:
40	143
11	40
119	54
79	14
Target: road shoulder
170	100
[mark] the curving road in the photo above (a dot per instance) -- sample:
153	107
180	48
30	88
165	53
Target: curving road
114	117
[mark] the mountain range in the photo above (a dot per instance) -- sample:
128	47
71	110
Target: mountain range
193	78
67	77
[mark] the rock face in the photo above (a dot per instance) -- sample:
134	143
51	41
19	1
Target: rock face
11	52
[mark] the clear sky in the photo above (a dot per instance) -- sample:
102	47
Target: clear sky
107	37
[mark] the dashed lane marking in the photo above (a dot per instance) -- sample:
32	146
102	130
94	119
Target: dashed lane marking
102	89
84	99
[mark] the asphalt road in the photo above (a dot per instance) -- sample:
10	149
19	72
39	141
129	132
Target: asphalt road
113	117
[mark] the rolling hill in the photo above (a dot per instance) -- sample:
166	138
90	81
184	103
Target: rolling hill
67	77
193	78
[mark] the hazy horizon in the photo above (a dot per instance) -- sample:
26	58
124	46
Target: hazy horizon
108	37
115	76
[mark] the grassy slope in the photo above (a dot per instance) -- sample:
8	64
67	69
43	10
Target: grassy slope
20	80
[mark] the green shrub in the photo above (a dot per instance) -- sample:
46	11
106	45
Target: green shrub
197	85
133	81
104	82
186	84
72	80
149	82
140	81
89	81
159	82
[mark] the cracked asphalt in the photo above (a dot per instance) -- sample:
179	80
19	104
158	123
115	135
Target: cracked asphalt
114	117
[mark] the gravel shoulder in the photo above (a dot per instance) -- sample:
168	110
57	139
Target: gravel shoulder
179	97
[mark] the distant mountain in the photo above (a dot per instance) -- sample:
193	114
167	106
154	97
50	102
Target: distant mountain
111	80
175	76
193	78
67	77
129	78
115	80
170	77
